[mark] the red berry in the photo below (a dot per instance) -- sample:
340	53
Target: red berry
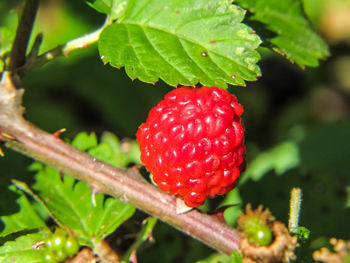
192	143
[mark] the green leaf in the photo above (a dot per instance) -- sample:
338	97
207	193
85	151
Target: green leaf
182	42
347	197
84	141
280	159
23	249
25	219
128	151
115	153
287	30
72	204
113	8
233	199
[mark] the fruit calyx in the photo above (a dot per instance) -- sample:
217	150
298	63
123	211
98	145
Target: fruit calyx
274	244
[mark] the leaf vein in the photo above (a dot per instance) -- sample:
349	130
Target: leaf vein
161	55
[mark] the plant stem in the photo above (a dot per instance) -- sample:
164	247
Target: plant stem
24	30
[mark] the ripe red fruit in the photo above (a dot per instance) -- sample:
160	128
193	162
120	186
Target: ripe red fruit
192	143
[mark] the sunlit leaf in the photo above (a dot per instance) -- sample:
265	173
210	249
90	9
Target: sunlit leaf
182	42
25	219
23	249
281	158
90	217
72	204
285	27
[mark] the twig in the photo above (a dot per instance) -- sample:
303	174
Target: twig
64	50
24	30
104	178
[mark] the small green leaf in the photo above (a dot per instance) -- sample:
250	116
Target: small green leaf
280	158
23	249
25	219
285	27
182	42
72	203
113	8
115	153
84	141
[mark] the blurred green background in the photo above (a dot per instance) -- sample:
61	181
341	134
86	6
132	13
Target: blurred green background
297	122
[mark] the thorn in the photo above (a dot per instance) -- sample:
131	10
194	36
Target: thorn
58	133
35	47
150	236
181	208
135	172
133	257
7	136
152	181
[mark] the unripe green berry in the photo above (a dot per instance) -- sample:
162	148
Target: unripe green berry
262	236
257	231
61	255
57	240
49	257
72	246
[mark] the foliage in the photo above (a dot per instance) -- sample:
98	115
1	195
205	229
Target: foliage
21	250
297	122
182	42
71	204
291	33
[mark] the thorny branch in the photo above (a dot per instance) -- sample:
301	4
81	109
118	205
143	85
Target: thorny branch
104	178
25	138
